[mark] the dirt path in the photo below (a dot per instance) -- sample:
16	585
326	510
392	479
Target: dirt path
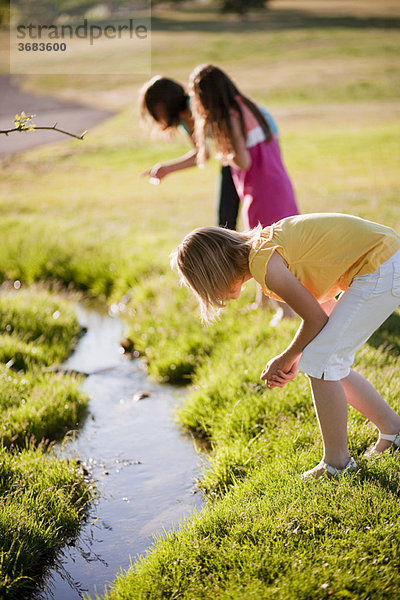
71	116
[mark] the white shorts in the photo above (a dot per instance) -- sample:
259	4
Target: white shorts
360	310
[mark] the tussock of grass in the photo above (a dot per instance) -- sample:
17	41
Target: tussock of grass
172	352
43	501
40	406
53	253
41	331
38	332
42	497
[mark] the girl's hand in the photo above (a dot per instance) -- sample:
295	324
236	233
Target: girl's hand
280	370
281	378
157	172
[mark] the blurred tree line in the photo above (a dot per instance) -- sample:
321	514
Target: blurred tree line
240	7
48	11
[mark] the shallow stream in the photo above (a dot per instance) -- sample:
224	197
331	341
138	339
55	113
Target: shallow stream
143	465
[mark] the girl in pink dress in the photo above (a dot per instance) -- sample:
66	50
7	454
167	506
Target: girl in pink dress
244	140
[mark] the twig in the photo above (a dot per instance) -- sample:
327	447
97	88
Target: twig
22	123
79	137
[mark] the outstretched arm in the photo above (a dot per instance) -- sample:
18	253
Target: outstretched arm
282	282
160	170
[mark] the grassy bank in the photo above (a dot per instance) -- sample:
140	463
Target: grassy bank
43	498
79	213
273	537
43	501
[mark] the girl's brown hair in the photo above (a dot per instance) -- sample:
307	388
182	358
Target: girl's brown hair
214	96
209	260
166	92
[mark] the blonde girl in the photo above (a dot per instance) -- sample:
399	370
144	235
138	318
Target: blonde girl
308	261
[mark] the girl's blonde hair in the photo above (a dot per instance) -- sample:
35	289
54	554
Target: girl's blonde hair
209	260
214	95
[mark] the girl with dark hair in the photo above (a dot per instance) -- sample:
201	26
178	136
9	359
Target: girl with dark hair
167	103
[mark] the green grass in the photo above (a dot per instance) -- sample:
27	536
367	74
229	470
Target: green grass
42	323
40	330
274	536
43	498
43	502
78	213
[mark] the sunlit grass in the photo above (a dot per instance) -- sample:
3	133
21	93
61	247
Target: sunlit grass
274	536
43	498
43	502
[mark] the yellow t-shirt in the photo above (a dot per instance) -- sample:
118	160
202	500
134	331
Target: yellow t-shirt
325	251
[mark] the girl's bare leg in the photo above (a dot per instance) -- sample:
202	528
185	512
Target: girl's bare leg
364	397
331	407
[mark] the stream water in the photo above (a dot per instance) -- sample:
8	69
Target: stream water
143	465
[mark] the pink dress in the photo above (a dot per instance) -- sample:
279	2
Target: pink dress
265	190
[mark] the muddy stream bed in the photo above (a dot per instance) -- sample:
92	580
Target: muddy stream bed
144	467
